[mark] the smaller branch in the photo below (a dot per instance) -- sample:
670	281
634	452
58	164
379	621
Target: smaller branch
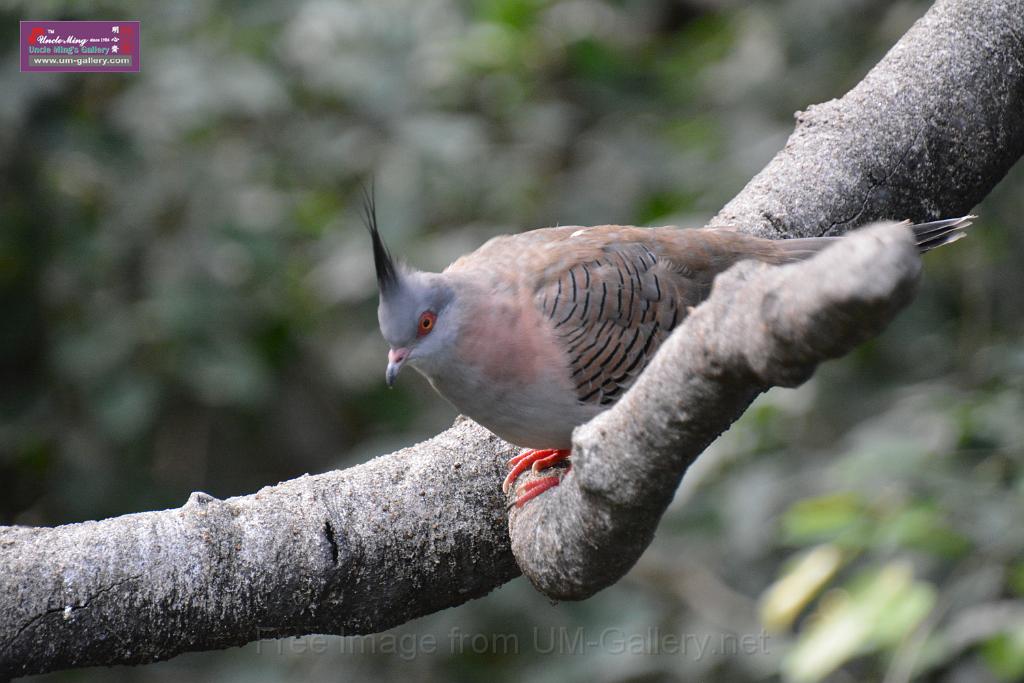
762	326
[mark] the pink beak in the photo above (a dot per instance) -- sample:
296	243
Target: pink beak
396	358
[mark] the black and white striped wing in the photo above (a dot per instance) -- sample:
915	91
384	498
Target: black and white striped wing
611	311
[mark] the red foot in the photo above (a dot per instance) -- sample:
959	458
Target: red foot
537	460
534	488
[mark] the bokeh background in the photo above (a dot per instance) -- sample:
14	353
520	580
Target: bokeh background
188	304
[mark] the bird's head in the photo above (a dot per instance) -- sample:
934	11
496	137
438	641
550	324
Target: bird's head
415	313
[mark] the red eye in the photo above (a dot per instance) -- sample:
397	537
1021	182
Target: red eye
426	324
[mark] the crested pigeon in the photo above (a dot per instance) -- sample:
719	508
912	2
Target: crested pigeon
535	333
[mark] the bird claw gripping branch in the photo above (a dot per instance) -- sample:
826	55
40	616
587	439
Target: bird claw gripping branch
537	460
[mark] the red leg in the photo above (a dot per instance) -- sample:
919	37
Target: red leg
538	459
534	488
555	457
531	455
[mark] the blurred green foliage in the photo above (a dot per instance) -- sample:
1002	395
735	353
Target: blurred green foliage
189	304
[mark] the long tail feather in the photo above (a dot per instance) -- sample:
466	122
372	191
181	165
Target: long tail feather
938	233
928	236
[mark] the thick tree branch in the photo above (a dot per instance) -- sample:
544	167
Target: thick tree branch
930	131
352	551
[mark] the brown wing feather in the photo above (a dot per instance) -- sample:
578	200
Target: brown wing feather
619	338
624	292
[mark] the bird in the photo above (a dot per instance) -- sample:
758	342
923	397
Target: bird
536	333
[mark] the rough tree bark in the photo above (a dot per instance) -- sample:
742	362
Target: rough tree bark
927	133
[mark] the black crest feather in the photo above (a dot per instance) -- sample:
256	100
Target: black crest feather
387	274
